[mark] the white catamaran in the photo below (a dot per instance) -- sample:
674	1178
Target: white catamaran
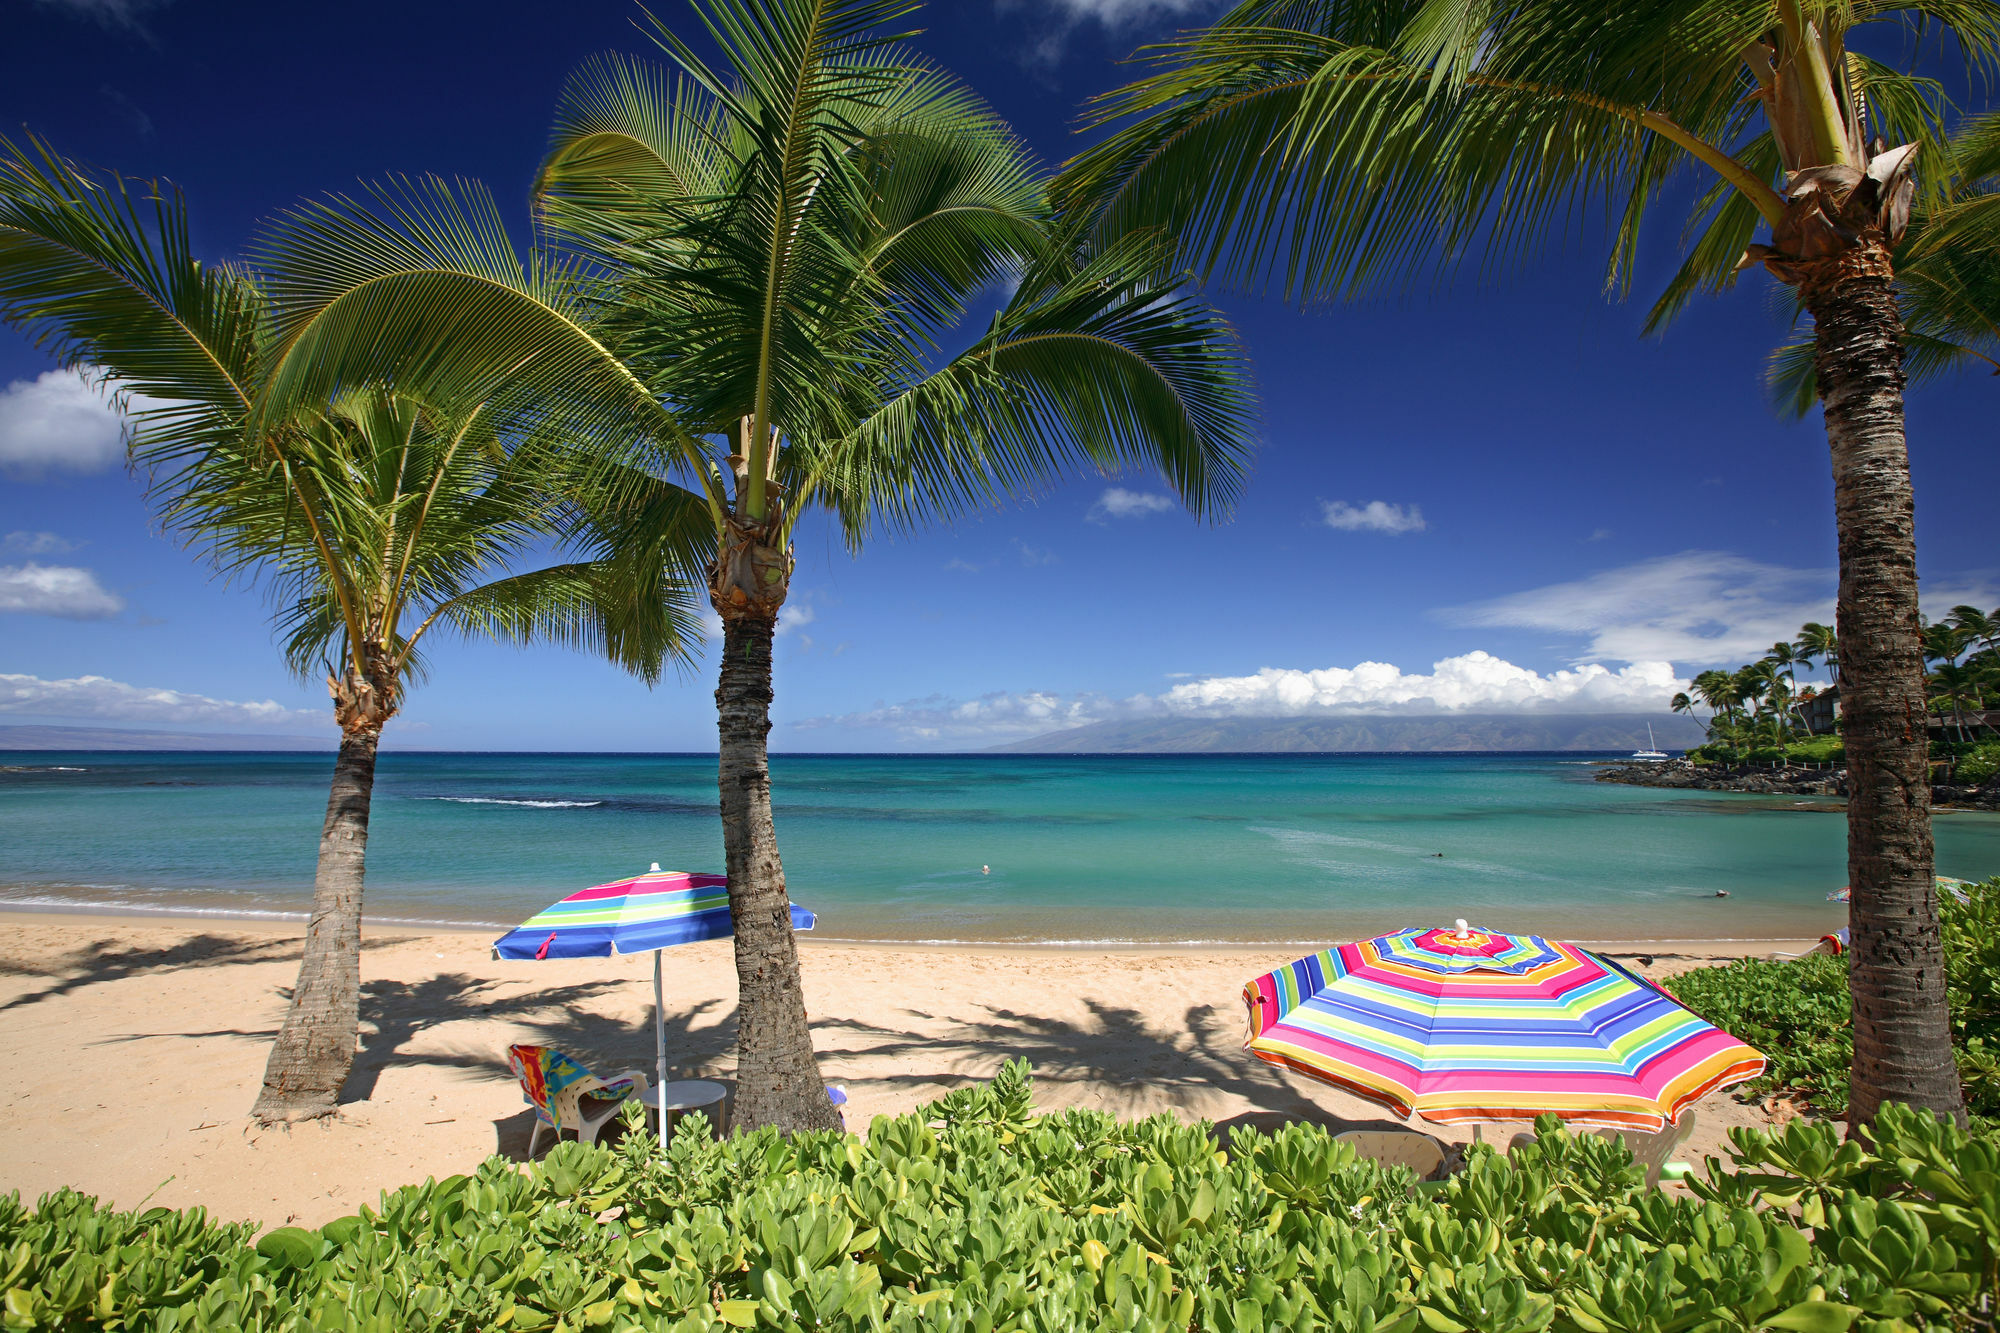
1651	754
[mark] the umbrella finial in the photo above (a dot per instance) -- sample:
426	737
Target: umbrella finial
655	870
1462	927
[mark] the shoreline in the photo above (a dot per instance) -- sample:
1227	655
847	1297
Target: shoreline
290	924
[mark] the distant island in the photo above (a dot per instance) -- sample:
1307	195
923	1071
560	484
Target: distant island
1442	733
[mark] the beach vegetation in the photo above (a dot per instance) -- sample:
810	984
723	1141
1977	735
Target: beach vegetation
974	1214
375	521
1800	1014
1760	714
1334	149
823	278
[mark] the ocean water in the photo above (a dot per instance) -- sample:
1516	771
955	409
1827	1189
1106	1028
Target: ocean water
1139	849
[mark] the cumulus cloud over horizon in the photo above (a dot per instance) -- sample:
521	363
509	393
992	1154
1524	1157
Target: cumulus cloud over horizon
1475	682
98	697
56	590
58	421
1375	516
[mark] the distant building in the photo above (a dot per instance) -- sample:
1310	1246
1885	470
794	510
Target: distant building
1821	711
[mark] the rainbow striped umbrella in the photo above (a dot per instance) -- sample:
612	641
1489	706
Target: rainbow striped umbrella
656	910
646	913
1472	1025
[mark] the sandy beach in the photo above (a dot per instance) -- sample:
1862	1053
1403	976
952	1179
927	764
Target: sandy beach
138	1043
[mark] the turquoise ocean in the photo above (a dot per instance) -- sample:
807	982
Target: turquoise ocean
1075	849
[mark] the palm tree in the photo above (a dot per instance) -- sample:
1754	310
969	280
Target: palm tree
1819	642
377	522
1682	703
1945	642
776	252
1952	685
1947	277
1977	626
1341	147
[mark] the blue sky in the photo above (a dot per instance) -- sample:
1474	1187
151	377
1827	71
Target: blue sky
1504	479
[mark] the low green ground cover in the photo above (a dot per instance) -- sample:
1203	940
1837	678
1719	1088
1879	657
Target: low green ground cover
1812	750
1800	1016
973	1214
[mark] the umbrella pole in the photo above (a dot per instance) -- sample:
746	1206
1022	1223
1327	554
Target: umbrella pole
660	1049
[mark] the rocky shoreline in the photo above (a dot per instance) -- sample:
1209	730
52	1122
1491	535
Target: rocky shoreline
1767	781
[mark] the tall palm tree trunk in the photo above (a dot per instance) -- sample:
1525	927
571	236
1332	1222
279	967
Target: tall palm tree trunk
777	1076
314	1052
1902	1038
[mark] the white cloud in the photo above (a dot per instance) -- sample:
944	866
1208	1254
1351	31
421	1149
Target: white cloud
1475	682
111	700
1118	502
59	421
1123	13
56	590
37	543
1698	607
1120	18
1375	516
956	565
1033	556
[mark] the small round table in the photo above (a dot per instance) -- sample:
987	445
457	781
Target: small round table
683	1095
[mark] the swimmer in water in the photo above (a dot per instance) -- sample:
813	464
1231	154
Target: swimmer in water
986	870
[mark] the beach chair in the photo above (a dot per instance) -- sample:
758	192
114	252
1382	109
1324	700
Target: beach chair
1835	944
1397	1147
565	1095
1648	1150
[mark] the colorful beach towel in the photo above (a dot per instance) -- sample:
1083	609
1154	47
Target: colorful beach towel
547	1073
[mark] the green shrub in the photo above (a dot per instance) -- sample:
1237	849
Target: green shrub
1766	754
1800	1014
1817	750
1981	766
976	1215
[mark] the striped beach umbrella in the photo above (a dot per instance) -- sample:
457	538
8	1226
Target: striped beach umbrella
656	910
1463	1026
644	914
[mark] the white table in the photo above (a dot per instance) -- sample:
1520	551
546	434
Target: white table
683	1095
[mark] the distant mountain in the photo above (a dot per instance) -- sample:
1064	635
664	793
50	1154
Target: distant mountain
1293	735
120	738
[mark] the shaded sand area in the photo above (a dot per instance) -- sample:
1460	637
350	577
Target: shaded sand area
135	1048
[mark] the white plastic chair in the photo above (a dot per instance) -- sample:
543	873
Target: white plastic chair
576	1107
1648	1150
1397	1147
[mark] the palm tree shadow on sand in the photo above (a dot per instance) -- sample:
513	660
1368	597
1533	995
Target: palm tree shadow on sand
1119	1060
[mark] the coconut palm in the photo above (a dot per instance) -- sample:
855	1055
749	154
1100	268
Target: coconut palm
1945	642
376	522
1947	277
780	249
1817	642
1338	147
1954	687
1682	703
1977	626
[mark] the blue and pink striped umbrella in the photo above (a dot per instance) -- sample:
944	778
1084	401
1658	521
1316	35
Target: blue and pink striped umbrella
656	910
644	914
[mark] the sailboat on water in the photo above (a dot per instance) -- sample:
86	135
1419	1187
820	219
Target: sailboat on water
1652	754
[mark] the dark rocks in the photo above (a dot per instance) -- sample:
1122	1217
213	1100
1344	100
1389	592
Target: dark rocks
1765	781
1680	773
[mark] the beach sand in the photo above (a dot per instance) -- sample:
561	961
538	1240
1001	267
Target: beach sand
136	1046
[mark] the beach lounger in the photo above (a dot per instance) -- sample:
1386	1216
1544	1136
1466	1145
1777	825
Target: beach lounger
1397	1147
1835	944
565	1095
1648	1150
